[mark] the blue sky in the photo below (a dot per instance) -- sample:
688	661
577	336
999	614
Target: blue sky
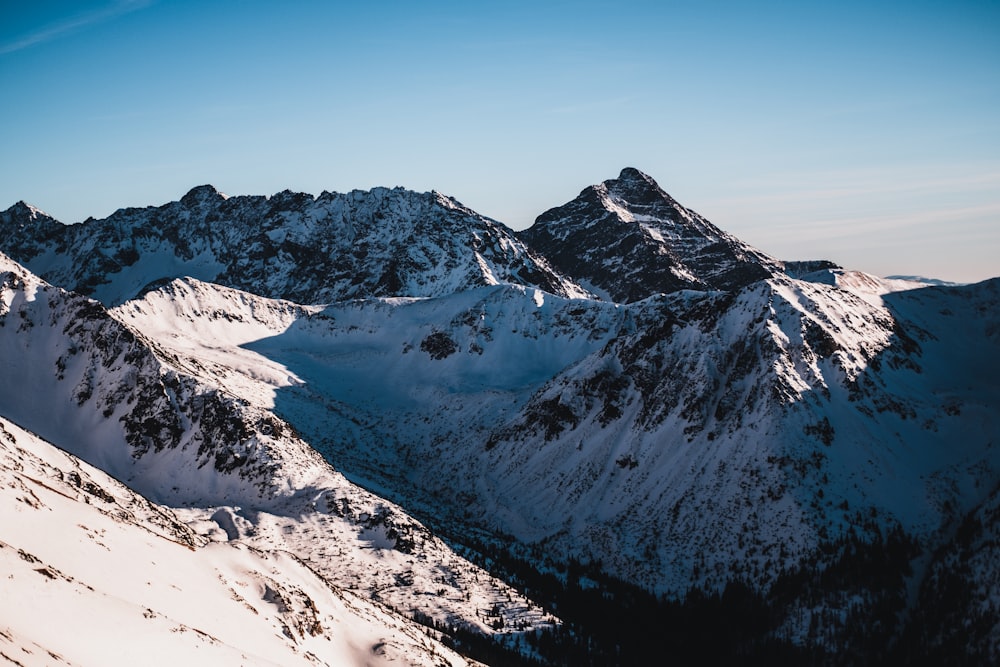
867	133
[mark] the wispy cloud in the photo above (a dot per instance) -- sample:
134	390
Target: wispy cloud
74	24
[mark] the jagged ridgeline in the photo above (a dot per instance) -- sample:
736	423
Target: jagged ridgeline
622	410
292	246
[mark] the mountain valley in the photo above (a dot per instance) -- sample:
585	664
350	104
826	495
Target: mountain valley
544	446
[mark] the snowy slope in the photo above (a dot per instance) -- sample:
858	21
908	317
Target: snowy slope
719	416
91	382
672	439
97	575
368	375
205	328
291	245
112	397
735	434
868	287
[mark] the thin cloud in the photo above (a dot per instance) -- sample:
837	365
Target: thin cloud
74	24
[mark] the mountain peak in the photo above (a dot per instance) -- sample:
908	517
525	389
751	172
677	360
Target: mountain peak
25	211
366	243
201	193
26	229
634	187
629	239
633	175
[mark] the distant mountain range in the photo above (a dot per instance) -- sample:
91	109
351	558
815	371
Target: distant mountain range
620	412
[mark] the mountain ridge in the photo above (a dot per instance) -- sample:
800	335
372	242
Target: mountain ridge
309	249
114	397
135	582
716	418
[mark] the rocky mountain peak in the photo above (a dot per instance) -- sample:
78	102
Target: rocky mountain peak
27	228
24	209
633	174
202	194
637	188
292	245
636	197
628	238
22	212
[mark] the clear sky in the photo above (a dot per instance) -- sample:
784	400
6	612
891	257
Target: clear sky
863	132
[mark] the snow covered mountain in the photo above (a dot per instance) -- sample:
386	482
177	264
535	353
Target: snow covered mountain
234	469
733	435
291	245
716	419
629	239
95	574
578	406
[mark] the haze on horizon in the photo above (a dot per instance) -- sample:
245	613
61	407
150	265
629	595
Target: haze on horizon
865	133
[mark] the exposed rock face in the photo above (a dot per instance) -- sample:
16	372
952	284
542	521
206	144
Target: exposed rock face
628	239
30	231
292	246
